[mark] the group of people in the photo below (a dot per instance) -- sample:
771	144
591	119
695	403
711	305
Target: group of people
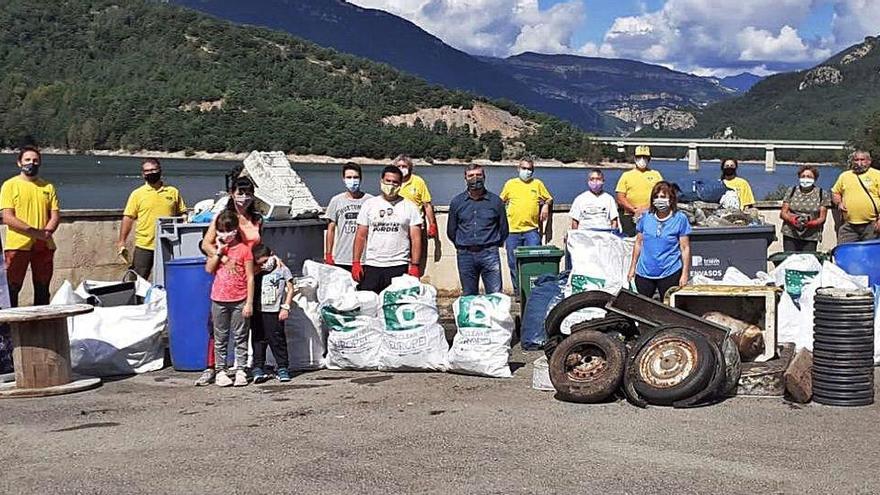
378	238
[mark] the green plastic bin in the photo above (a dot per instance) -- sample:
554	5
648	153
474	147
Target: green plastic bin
531	263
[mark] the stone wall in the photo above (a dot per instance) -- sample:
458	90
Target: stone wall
86	247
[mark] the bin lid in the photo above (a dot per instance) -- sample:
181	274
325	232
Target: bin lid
191	260
538	252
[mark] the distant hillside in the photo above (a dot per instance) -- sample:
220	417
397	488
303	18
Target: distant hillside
741	82
639	94
384	37
137	74
833	100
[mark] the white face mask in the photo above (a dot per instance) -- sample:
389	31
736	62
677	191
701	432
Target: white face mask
662	204
642	163
226	237
269	265
404	171
806	182
352	184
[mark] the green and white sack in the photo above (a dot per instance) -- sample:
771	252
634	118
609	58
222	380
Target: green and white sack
482	343
412	338
354	340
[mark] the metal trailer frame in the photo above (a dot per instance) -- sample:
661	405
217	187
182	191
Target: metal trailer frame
653	313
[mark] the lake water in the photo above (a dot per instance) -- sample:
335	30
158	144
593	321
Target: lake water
105	182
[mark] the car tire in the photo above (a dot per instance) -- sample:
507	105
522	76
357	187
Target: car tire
674	364
587	367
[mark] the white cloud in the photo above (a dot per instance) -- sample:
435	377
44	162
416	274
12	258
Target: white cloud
760	44
492	27
855	19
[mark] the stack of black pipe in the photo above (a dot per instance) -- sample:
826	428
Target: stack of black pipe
843	347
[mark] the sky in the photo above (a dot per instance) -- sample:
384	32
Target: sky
705	37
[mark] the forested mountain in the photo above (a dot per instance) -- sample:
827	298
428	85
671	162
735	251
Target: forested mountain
834	100
136	74
741	82
383	37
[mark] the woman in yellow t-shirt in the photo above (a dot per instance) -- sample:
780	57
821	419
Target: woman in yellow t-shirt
738	184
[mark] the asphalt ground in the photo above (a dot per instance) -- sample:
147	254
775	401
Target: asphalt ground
347	432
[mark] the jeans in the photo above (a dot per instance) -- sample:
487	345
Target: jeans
472	265
228	318
268	331
853	232
648	286
515	240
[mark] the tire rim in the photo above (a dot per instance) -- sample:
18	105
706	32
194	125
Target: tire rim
585	363
667	362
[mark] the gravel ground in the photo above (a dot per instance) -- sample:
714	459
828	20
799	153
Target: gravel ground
375	432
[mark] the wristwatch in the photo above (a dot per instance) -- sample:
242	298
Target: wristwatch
285	307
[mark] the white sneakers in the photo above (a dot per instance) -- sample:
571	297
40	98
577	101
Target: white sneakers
222	379
241	378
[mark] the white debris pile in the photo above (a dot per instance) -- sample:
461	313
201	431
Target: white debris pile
279	186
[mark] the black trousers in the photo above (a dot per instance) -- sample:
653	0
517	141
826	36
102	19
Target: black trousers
142	262
648	286
266	330
377	278
790	244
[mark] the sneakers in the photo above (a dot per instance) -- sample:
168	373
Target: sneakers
241	378
206	378
259	375
222	379
283	375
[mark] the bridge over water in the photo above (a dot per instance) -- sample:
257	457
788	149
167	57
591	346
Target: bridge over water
693	146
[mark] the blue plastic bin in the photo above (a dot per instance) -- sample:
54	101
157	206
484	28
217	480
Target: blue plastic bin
188	286
860	258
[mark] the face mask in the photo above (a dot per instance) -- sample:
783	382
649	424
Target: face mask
153	177
596	185
269	265
353	185
526	174
226	237
404	171
859	169
729	171
476	184
642	163
389	190
31	169
243	200
806	182
662	204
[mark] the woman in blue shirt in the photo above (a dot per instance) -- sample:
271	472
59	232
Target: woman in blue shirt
662	252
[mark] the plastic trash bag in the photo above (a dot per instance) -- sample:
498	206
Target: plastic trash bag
354	340
412	337
482	344
303	329
119	340
547	288
599	260
333	282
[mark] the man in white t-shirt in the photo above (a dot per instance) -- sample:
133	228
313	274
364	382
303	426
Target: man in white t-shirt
389	227
594	208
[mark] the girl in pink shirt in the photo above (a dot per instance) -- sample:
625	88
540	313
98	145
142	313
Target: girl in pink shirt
232	297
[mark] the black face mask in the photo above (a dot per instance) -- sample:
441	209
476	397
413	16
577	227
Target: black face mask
476	184
153	177
31	169
729	172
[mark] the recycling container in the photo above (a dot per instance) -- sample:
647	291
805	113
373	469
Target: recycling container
715	249
188	288
860	258
531	263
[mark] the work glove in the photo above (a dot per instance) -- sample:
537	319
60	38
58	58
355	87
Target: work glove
432	230
812	224
414	271
328	259
357	271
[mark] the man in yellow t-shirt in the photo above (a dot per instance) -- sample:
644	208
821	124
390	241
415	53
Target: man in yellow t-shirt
145	205
634	190
528	209
31	214
857	194
738	184
416	190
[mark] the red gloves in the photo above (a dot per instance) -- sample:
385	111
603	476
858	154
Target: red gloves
414	271
812	224
328	259
357	271
432	230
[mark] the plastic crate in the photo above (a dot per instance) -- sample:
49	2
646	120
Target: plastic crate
282	191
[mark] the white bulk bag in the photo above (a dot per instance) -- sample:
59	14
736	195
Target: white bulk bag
412	337
118	340
354	340
482	343
333	282
599	260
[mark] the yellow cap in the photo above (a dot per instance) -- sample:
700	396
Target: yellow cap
643	151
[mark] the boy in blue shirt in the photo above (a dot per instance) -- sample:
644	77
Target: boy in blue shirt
271	310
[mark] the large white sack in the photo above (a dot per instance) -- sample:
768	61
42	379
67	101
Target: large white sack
305	338
482	343
333	282
354	340
412	337
118	340
599	260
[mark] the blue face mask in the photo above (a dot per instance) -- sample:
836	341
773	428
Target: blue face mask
31	169
526	174
353	185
